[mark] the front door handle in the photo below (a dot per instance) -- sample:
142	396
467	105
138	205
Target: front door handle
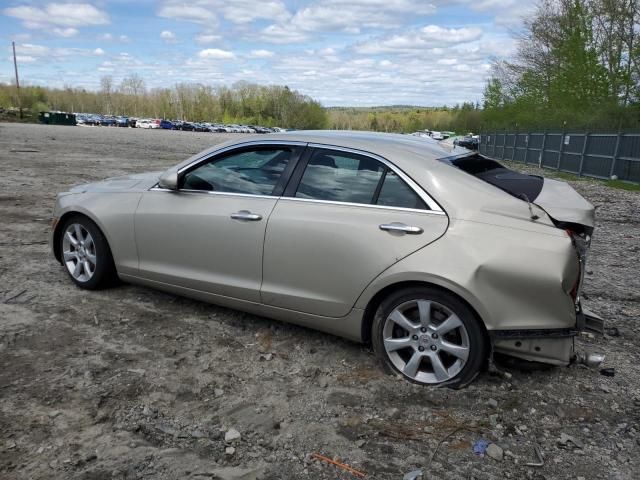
401	227
246	215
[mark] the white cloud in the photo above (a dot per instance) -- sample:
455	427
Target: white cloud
246	11
55	54
207	38
168	36
215	53
58	14
189	13
507	12
22	59
430	36
345	17
206	12
65	32
280	34
261	53
109	37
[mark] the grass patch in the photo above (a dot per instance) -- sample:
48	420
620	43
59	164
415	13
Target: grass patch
569	176
622	185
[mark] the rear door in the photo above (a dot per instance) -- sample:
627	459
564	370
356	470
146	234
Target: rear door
345	217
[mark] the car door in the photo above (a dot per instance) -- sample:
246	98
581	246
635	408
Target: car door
344	219
208	235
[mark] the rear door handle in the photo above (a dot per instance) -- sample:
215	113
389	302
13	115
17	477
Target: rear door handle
401	227
247	216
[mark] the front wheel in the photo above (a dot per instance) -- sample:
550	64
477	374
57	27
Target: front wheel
428	336
86	255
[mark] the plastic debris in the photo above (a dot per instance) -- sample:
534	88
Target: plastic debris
480	447
413	475
608	372
540	462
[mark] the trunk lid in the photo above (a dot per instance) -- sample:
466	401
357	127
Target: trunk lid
566	207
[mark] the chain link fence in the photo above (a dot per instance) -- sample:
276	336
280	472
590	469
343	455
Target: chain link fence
599	155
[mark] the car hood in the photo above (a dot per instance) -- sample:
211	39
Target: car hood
564	204
125	183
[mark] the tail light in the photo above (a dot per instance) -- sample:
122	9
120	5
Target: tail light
580	244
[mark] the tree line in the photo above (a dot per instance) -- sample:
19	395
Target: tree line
243	103
577	66
463	118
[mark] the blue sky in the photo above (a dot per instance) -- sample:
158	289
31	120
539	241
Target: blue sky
340	52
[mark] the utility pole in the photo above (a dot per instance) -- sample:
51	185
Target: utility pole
15	66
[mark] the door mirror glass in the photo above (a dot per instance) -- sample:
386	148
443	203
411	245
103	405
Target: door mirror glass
169	180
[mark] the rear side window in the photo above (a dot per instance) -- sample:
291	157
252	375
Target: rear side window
340	177
352	178
396	193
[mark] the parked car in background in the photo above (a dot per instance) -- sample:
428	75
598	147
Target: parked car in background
467	142
437	136
166	124
148	123
108	121
437	261
122	121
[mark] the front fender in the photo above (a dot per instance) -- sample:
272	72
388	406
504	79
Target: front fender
113	213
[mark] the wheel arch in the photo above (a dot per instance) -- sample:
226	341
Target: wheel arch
378	298
57	232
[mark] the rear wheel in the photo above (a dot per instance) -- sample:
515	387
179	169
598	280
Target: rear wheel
85	254
428	336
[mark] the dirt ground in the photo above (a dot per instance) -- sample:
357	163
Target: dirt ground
131	383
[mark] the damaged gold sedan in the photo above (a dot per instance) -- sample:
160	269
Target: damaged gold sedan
436	259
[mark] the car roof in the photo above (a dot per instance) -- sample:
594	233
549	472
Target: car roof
383	144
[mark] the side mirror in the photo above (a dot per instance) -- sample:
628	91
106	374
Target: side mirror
169	180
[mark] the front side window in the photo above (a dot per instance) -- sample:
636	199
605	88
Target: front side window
254	172
346	177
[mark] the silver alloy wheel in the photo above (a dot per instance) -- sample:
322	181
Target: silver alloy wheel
426	341
79	252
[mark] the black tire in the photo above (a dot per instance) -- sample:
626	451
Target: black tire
104	271
468	338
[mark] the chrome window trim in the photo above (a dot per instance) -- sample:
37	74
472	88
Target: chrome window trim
296	199
434	207
430	202
209	192
363	205
250	143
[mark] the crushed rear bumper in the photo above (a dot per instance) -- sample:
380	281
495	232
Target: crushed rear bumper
552	346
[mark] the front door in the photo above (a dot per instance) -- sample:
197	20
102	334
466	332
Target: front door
209	234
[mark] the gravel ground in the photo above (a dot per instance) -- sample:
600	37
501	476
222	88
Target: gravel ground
131	383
